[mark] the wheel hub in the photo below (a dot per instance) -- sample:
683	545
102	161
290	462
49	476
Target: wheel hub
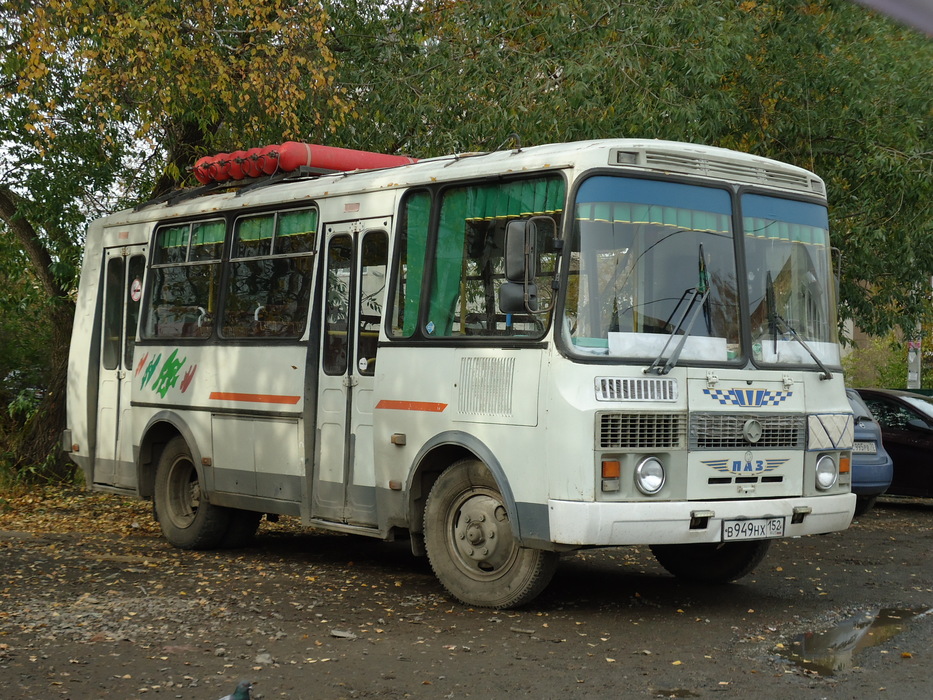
482	533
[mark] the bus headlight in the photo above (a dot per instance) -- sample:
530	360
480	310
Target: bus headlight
649	476
826	472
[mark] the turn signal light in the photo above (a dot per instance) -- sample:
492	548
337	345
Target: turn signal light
612	470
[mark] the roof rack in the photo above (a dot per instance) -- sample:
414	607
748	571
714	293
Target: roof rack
248	170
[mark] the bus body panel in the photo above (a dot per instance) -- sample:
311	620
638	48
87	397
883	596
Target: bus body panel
349	425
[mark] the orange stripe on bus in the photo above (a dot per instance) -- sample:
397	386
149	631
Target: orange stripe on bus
412	406
254	398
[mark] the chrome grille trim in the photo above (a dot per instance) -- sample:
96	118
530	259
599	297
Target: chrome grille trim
723	431
635	389
652	431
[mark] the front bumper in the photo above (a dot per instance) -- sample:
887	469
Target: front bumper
609	524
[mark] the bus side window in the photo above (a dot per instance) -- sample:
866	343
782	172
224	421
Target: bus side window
469	264
113	313
134	286
411	243
269	281
373	267
185	274
337	305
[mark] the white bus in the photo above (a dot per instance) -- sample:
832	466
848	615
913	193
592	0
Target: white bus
503	356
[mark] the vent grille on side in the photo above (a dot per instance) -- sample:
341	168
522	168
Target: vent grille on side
741	172
486	386
629	389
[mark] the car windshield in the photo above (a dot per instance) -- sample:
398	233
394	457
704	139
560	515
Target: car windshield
651	260
792	306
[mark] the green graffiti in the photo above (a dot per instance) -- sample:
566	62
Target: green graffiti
168	376
150	370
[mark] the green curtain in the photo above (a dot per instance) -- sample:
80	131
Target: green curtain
656	215
488	202
293	223
256	228
770	229
417	217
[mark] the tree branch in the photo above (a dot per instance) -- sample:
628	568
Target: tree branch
11	212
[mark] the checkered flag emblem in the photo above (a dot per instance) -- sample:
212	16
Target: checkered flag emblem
748	397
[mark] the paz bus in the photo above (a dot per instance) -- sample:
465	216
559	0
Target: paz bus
503	357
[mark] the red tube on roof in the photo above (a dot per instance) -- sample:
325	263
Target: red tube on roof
288	157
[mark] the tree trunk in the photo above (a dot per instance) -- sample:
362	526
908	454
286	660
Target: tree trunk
36	449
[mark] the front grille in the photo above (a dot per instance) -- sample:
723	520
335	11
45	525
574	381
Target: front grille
723	431
641	430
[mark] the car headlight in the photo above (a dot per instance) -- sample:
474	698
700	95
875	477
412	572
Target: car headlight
649	476
826	472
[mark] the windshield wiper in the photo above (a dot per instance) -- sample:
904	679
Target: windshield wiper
697	303
777	322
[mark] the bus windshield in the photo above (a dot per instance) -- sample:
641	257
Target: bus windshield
650	260
791	301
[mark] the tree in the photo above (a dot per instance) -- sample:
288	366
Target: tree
826	85
109	101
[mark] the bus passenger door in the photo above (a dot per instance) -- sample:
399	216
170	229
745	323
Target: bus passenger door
114	463
355	267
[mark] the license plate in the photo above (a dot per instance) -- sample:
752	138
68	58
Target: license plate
869	448
752	529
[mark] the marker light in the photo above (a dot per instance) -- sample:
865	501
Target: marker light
649	476
611	470
826	473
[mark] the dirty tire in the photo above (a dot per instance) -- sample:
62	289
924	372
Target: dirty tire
863	504
187	520
711	563
242	528
471	546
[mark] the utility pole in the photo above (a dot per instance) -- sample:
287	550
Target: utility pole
913	362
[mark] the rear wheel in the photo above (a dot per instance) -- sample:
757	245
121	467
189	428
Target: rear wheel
713	562
242	528
187	520
471	546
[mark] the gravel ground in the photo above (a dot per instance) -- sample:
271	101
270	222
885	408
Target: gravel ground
94	604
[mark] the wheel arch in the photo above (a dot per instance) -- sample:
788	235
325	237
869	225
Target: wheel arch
161	428
436	455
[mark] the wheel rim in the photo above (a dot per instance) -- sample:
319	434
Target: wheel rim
184	493
480	536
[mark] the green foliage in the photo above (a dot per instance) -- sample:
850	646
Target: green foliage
877	362
105	102
826	85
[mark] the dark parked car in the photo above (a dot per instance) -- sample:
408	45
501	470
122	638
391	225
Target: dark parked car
872	467
907	430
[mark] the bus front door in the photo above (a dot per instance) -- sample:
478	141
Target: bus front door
355	269
114	464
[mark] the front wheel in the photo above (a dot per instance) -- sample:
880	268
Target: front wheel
187	520
863	504
471	546
711	563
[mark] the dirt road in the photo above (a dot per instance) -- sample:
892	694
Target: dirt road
100	606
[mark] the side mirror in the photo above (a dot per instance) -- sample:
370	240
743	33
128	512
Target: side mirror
512	298
523	241
919	426
520	250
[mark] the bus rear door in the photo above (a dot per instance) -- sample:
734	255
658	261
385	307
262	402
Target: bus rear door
123	285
